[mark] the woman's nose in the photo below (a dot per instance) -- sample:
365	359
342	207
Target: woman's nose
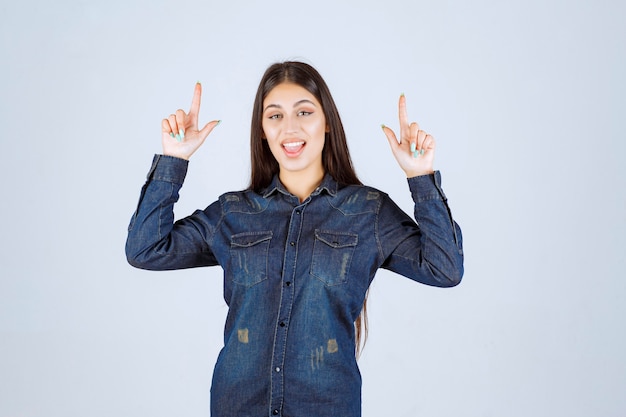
292	124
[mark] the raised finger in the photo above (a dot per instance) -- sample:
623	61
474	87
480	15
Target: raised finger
195	102
404	119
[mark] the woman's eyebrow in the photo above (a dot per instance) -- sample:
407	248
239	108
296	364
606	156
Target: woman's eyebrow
303	101
296	104
271	106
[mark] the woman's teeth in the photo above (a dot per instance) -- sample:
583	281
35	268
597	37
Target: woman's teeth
292	146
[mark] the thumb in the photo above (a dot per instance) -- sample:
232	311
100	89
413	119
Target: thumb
208	128
391	138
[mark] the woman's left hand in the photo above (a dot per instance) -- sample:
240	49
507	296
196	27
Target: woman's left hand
415	152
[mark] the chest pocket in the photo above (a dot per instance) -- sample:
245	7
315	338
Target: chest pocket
332	256
249	257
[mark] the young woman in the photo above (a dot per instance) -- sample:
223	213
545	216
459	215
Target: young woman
299	247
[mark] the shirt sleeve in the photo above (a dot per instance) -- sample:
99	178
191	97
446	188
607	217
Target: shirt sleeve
429	251
154	241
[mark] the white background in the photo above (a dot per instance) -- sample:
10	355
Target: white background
527	101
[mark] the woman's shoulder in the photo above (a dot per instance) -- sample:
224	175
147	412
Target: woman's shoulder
358	198
246	201
362	189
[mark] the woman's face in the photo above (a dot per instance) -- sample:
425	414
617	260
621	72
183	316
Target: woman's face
294	127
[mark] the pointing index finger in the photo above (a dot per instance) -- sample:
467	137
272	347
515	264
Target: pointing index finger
195	102
404	120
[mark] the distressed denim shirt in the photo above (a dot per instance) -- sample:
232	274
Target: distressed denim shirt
295	277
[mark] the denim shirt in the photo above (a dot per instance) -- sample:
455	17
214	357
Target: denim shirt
295	277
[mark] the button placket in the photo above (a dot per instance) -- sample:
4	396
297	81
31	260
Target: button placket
284	311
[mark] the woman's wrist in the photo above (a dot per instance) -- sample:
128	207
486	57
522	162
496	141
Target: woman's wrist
411	174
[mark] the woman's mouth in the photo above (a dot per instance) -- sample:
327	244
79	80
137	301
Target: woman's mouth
293	148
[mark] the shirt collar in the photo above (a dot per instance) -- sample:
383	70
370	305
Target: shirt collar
328	184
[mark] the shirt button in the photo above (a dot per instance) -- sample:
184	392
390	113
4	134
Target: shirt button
288	283
282	324
275	412
292	243
277	369
297	211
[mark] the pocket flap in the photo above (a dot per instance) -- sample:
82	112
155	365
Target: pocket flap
337	240
247	239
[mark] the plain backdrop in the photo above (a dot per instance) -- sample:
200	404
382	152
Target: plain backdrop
527	102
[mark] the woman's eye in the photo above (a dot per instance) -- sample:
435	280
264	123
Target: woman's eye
304	113
274	116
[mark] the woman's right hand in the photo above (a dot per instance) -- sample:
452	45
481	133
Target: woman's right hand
179	132
415	151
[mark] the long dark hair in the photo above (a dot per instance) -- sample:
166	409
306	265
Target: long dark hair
336	159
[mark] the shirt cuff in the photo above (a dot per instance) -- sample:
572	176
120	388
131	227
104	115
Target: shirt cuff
426	187
168	168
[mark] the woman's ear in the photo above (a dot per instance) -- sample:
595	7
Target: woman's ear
327	128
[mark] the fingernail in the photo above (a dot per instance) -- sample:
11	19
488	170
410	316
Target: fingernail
218	122
382	126
182	134
178	137
171	134
198	82
413	147
416	154
422	152
402	95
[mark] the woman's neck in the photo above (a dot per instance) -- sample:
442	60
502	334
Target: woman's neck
302	183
